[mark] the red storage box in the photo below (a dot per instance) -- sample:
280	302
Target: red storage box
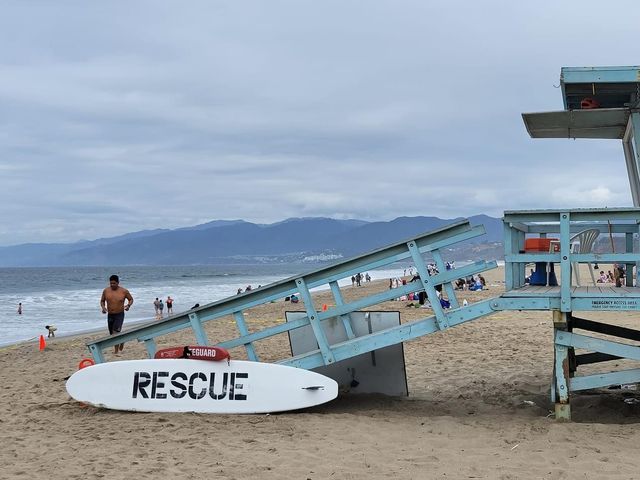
541	245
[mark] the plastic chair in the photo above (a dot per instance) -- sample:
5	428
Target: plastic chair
583	243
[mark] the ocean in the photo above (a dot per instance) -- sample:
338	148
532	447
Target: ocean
68	297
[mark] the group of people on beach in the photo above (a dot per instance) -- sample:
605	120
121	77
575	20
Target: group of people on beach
158	305
116	300
51	329
471	282
611	277
356	280
605	277
248	289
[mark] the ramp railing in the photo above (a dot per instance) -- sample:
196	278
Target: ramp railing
434	286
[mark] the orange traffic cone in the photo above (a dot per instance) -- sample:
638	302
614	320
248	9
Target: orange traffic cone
43	344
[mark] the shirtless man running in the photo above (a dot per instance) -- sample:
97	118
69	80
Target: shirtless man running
112	303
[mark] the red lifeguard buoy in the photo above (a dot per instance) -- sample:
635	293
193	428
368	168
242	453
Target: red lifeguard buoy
85	362
589	103
194	352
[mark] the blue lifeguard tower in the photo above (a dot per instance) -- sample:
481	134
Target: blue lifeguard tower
599	103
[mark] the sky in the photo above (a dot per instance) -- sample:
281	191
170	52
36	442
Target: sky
124	116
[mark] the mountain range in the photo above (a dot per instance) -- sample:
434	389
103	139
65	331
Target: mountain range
238	241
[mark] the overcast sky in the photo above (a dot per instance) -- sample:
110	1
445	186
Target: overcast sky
123	116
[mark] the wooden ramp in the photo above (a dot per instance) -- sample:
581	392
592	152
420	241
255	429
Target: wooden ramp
430	244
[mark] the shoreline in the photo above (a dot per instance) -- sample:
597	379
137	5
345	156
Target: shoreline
72	312
74	334
320	291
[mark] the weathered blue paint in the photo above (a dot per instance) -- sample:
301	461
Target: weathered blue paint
96	352
578	257
509	249
244	331
428	286
562	373
562	225
617	303
576	228
575	340
313	315
390	336
623	74
565	262
196	325
629	266
525	303
600	380
613	115
448	287
150	345
345	319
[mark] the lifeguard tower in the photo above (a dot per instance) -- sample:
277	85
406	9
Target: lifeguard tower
599	103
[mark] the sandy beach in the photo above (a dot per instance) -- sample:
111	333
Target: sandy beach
478	407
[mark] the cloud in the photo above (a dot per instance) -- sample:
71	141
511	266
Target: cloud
169	116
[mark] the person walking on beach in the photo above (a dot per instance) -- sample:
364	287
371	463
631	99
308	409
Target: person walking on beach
156	304
20	308
160	309
112	303
169	303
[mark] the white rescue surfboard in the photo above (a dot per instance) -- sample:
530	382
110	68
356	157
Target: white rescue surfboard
184	385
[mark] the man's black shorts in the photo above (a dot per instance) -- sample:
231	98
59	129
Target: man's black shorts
114	322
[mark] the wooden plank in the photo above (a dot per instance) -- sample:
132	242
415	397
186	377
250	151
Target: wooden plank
565	261
589	358
243	330
312	315
585	342
605	328
390	336
605	379
607	293
533	292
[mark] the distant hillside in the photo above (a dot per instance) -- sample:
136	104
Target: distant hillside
222	241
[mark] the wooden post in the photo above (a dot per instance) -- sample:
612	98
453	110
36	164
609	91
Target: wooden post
196	325
561	369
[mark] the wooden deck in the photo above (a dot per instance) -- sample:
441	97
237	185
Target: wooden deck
603	291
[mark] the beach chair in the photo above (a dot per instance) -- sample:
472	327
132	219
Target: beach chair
583	242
